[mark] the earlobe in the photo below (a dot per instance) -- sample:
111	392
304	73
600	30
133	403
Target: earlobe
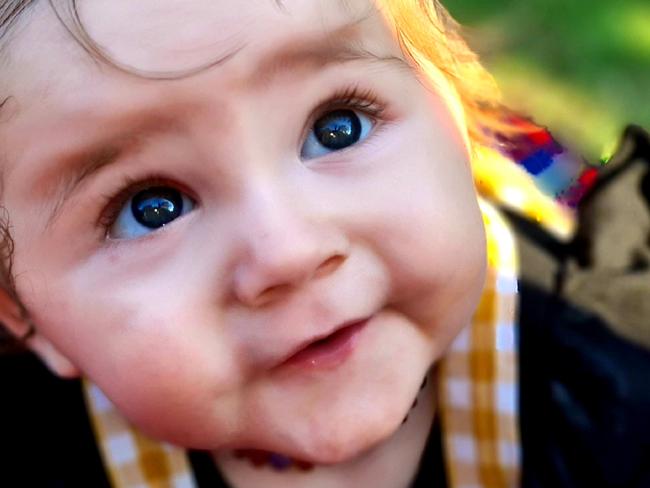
12	317
56	362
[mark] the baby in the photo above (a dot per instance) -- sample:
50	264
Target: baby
253	225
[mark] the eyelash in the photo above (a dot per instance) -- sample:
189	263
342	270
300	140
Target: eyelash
353	97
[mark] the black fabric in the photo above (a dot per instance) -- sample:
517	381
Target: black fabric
205	471
432	472
585	399
46	440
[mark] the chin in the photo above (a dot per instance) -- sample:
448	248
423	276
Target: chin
346	435
336	449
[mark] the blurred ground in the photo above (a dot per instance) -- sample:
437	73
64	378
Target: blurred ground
580	67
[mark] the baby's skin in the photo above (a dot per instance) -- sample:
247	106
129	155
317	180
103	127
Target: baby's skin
178	239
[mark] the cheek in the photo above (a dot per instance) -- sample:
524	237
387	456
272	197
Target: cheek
169	388
420	205
420	212
438	263
160	358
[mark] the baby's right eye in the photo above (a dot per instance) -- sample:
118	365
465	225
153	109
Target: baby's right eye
148	210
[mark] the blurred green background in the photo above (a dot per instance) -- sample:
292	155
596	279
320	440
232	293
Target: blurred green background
580	67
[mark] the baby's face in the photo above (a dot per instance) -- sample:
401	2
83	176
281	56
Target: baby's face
178	240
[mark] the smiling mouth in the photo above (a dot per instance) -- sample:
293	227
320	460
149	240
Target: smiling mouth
329	351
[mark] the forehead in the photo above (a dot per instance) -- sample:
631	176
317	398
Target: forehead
63	97
48	75
161	36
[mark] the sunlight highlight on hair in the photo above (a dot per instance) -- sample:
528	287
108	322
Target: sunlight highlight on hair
429	35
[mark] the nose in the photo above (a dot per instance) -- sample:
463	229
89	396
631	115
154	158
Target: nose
284	251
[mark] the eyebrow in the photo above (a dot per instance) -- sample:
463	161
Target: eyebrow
316	55
335	48
61	180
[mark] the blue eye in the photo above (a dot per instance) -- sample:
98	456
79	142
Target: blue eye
334	131
149	210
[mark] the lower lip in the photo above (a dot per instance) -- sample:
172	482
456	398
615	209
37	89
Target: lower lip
329	353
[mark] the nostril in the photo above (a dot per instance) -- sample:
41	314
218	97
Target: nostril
329	265
270	295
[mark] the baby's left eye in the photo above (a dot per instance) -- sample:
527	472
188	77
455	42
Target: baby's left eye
149	210
334	131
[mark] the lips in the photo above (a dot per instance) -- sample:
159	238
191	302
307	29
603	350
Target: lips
328	350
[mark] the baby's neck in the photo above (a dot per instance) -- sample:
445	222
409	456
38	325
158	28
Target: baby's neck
392	464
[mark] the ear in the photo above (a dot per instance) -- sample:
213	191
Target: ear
12	318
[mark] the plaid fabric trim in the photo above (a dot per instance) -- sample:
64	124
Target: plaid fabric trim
131	459
477	397
478	380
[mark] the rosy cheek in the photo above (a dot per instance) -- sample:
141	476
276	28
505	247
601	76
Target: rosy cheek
160	382
158	364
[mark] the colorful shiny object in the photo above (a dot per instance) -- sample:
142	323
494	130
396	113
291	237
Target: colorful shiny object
520	165
557	171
